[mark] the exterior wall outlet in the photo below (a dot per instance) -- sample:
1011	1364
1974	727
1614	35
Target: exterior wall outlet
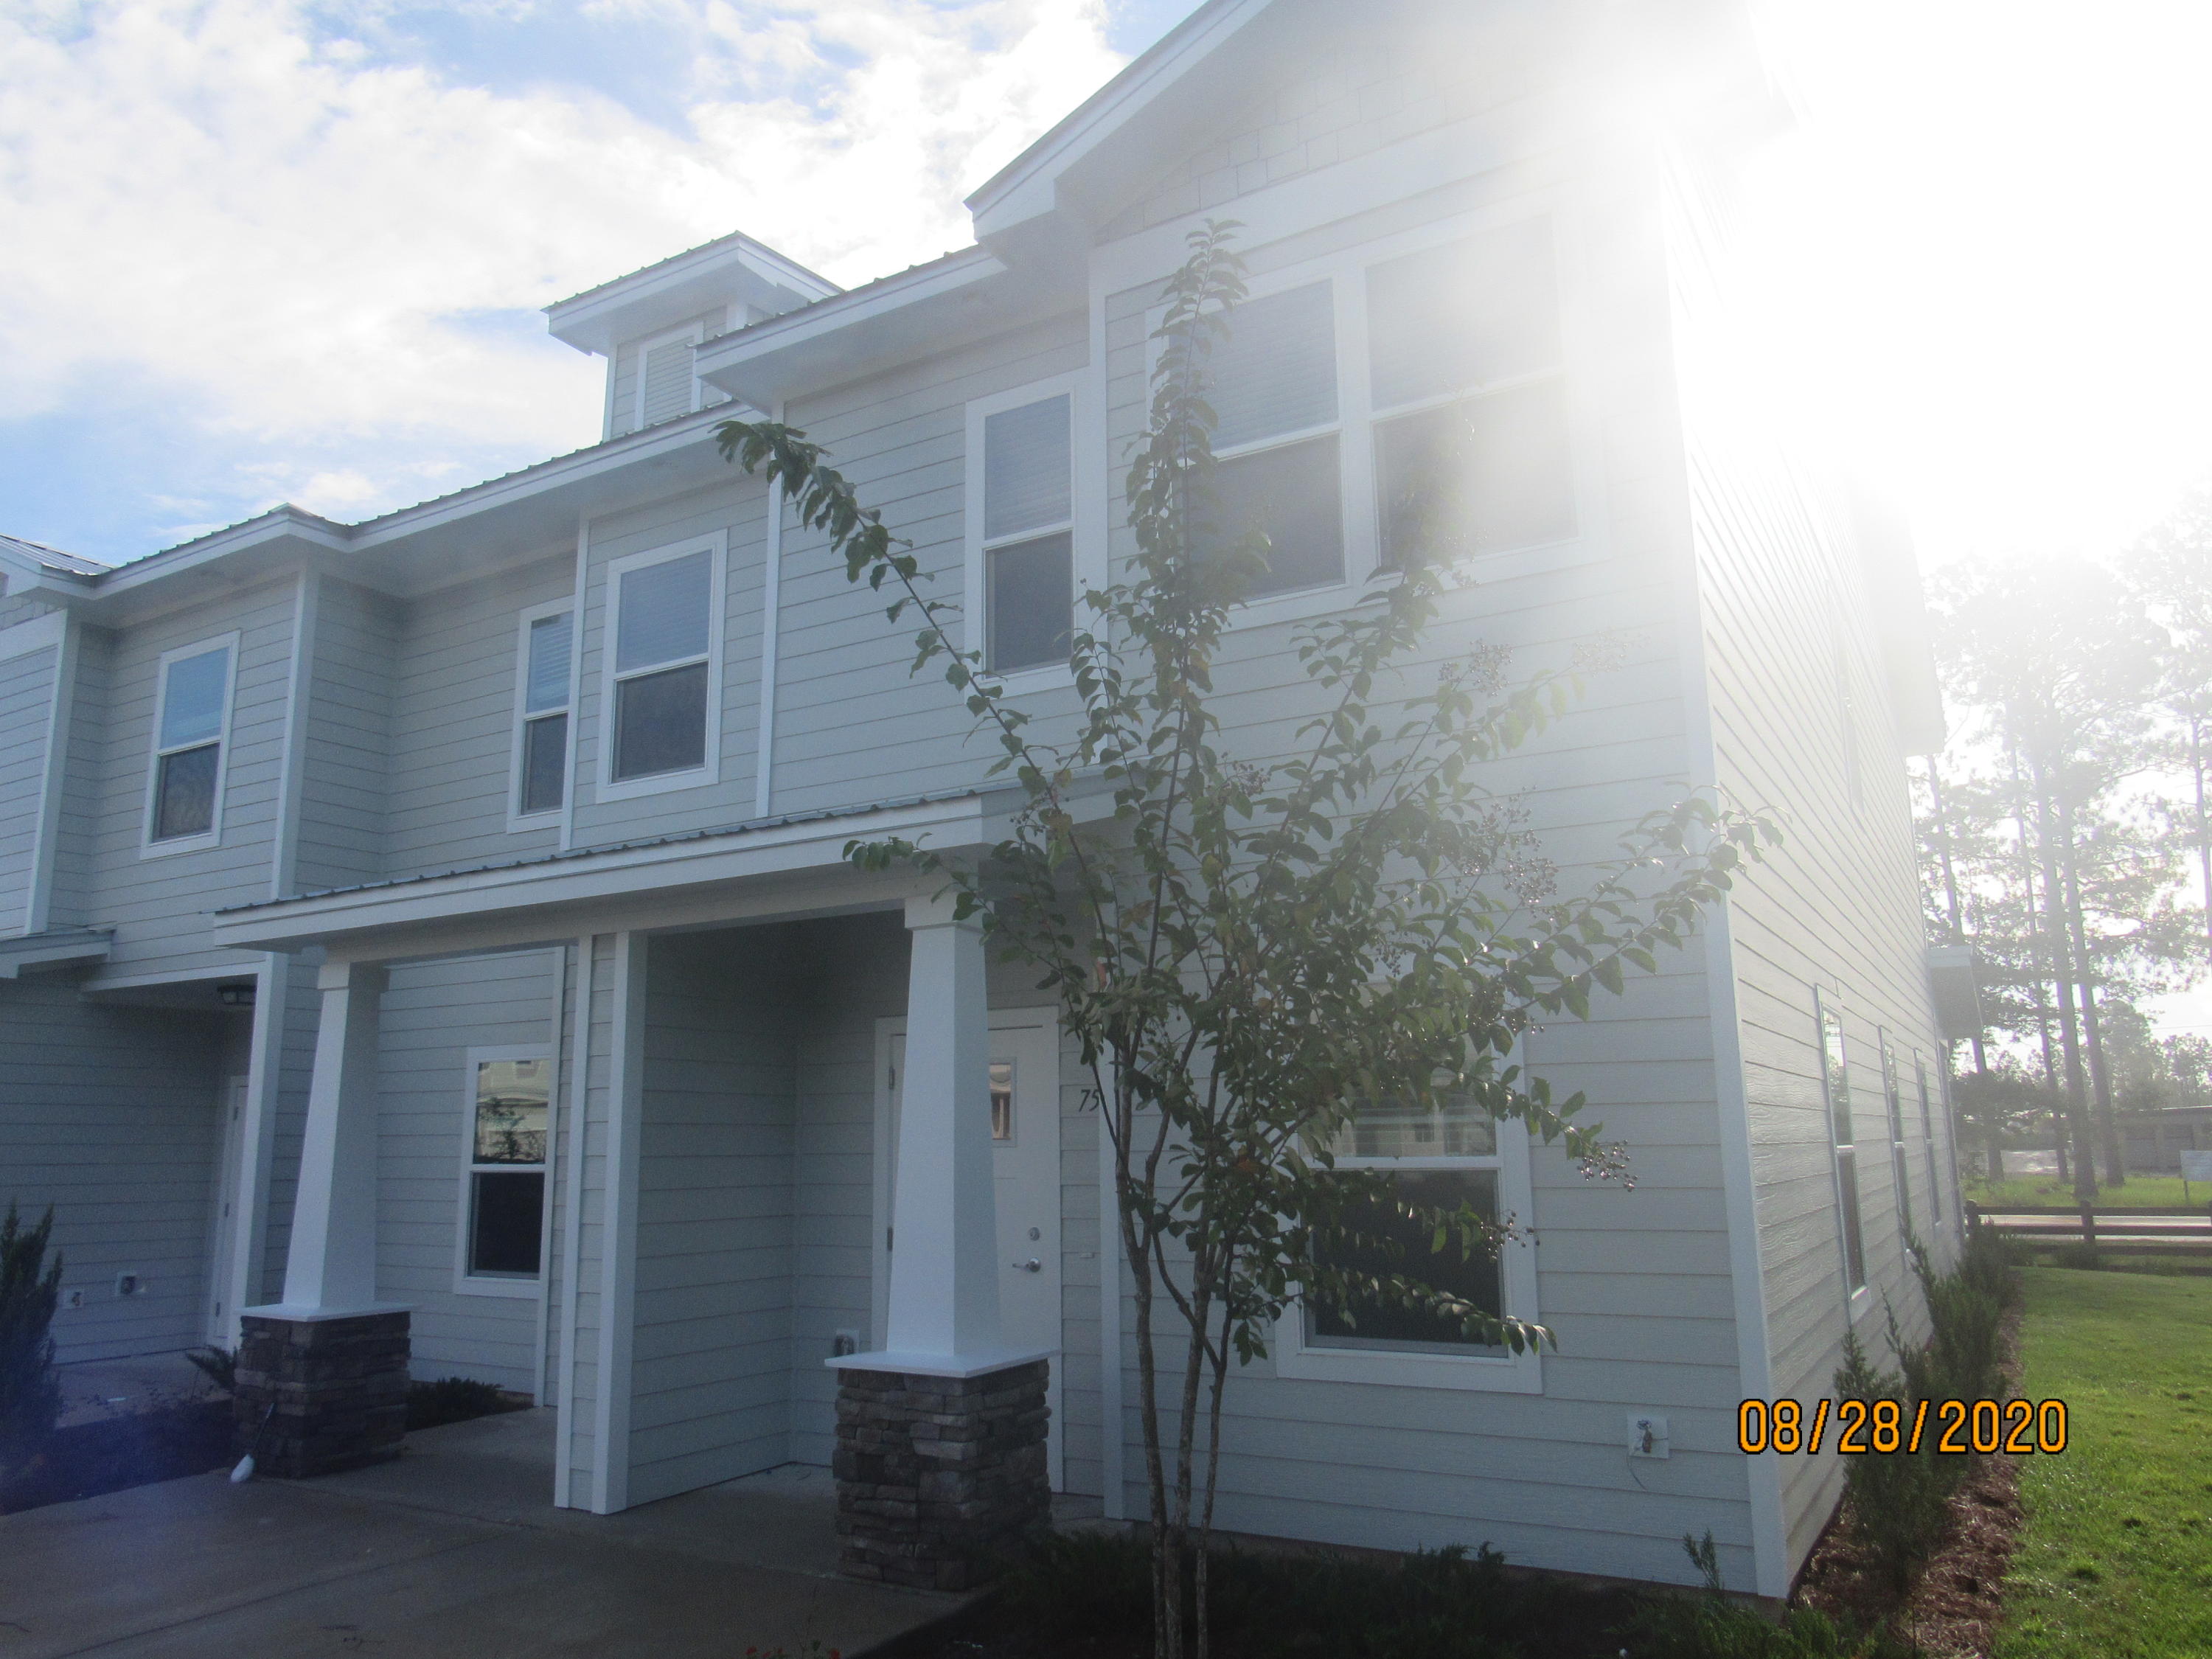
129	1284
73	1298
847	1342
1647	1435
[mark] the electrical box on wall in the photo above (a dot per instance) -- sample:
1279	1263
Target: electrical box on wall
1647	1435
129	1284
73	1298
845	1343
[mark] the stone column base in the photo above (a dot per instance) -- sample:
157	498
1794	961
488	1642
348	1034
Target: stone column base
339	1387
938	1478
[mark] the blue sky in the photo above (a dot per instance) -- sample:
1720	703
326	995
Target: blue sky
264	250
273	251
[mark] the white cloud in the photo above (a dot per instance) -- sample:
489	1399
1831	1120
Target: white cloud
304	243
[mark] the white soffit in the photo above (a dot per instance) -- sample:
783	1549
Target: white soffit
735	268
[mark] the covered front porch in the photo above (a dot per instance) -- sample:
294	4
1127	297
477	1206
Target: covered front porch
801	1155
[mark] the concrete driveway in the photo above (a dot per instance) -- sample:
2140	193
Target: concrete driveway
453	1551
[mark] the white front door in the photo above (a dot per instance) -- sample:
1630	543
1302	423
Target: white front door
1026	1157
222	1240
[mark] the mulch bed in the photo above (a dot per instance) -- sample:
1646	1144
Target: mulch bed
88	1459
1956	1605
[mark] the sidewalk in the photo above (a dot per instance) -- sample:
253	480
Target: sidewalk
452	1552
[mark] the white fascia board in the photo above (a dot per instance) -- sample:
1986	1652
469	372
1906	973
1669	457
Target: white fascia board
638	874
896	320
662	296
1027	187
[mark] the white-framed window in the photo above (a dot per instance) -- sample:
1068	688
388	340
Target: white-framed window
544	647
1441	1158
193	692
1836	1091
1022	554
1409	395
667	377
506	1109
1892	1091
1927	1139
661	702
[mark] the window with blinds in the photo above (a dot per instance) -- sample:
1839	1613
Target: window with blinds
542	740
1272	385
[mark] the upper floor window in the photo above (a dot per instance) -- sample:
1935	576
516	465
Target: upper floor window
1028	541
665	666
192	728
542	715
1464	382
1371	411
1836	1084
1276	436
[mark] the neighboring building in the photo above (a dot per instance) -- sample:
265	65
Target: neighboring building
447	912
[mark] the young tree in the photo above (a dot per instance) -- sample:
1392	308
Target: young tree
2170	573
1249	945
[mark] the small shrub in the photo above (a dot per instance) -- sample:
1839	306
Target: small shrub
30	1291
218	1365
1899	1501
453	1400
1710	1626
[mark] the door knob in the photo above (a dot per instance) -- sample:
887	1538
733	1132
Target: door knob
1031	1266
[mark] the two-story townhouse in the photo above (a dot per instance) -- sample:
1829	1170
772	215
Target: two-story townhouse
435	931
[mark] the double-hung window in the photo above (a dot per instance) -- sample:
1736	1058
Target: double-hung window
1928	1140
1394	405
1025	472
1468	399
508	1107
1835	1085
1893	1098
541	754
1278	438
1438	1157
663	667
191	729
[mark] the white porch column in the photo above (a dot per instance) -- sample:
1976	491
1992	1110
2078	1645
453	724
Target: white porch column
945	1234
332	1267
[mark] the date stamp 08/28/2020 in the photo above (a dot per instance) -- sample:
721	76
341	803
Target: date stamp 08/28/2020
1882	1426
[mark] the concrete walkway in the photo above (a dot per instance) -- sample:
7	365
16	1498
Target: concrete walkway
94	1389
452	1553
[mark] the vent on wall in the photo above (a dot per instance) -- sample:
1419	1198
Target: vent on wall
665	384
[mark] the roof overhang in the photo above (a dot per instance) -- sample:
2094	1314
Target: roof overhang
419	550
749	872
61	947
1134	124
963	297
661	295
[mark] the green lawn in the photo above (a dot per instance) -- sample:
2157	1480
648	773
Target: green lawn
2042	1192
2116	1560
